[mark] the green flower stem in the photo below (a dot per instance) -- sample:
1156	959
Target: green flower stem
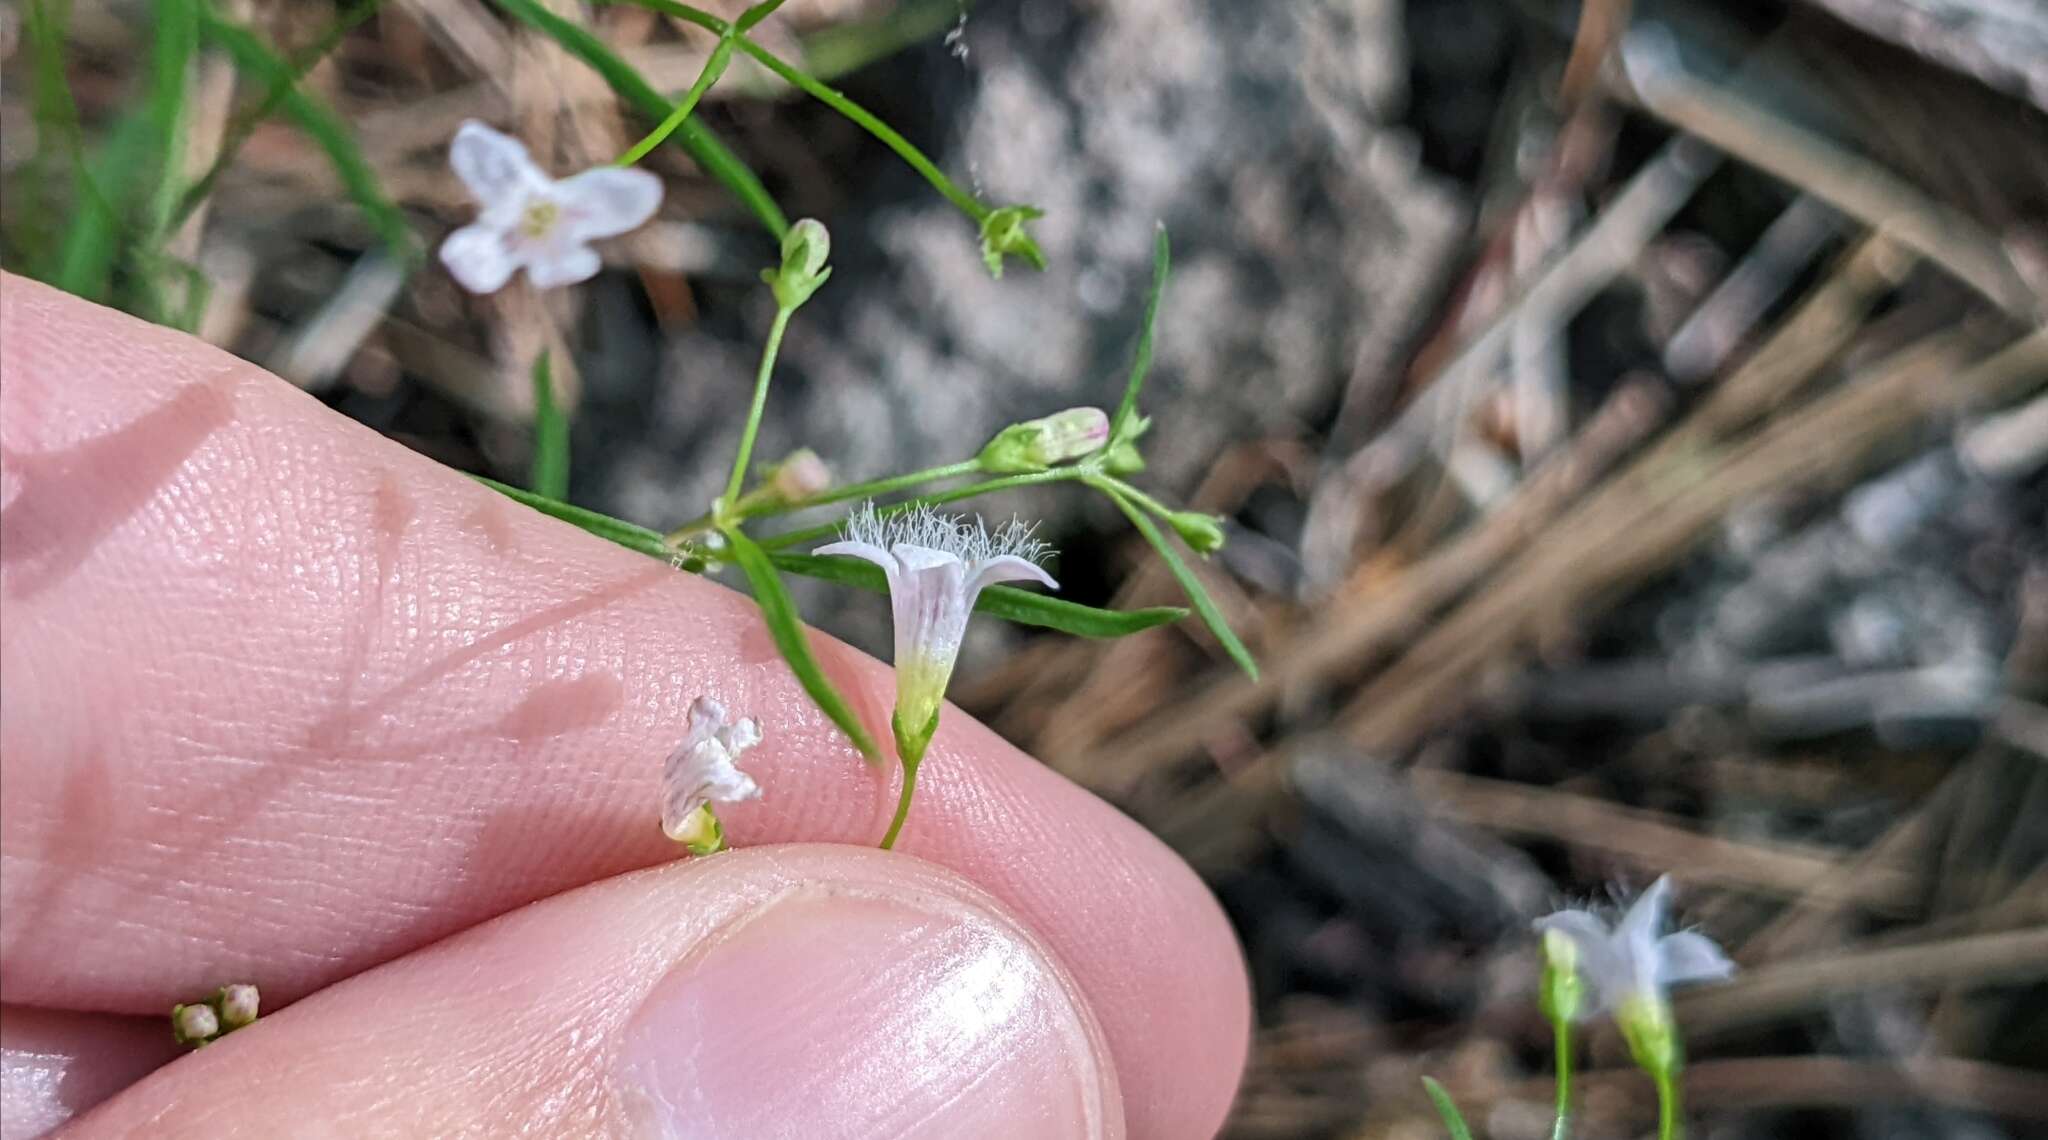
1139	497
873	487
910	764
1562	1127
987	486
704	147
798	78
753	428
713	69
1668	1127
768	507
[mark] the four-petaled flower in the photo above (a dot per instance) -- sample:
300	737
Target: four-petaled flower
532	221
704	770
937	565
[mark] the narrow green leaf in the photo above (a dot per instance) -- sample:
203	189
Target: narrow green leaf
1453	1119
1189	584
549	474
697	139
629	535
787	628
176	41
318	122
1141	363
1005	602
245	122
92	242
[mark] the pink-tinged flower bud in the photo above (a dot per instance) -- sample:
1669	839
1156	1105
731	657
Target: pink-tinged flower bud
238	1005
1035	445
194	1024
800	476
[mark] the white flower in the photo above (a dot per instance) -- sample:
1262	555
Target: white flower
704	770
531	220
937	566
1631	965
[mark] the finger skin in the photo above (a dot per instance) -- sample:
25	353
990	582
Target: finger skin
284	701
677	1001
55	1065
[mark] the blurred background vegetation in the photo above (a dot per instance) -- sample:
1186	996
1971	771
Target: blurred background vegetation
1630	418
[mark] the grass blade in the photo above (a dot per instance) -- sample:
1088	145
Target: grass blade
629	535
787	629
549	474
318	122
1141	363
1189	584
695	138
1453	1119
1004	602
92	242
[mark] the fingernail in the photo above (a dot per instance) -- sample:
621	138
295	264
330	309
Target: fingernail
831	1014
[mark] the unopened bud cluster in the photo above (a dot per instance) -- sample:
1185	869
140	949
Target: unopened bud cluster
229	1009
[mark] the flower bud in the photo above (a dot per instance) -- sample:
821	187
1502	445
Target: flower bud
194	1024
1203	533
799	476
1652	1036
1035	445
1563	992
805	248
1003	235
238	1005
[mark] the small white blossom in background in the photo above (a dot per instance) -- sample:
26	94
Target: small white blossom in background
1631	968
937	565
533	222
704	770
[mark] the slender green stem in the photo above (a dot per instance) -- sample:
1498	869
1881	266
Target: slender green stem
1135	495
861	116
1562	1127
902	801
768	507
987	486
873	487
704	146
753	428
713	68
1668	1126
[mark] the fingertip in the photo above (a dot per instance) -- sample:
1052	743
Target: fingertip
810	991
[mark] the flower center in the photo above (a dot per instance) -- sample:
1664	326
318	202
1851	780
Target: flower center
540	217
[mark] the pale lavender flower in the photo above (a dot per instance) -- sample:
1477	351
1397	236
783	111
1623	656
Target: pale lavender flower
937	566
704	770
1632	964
532	221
